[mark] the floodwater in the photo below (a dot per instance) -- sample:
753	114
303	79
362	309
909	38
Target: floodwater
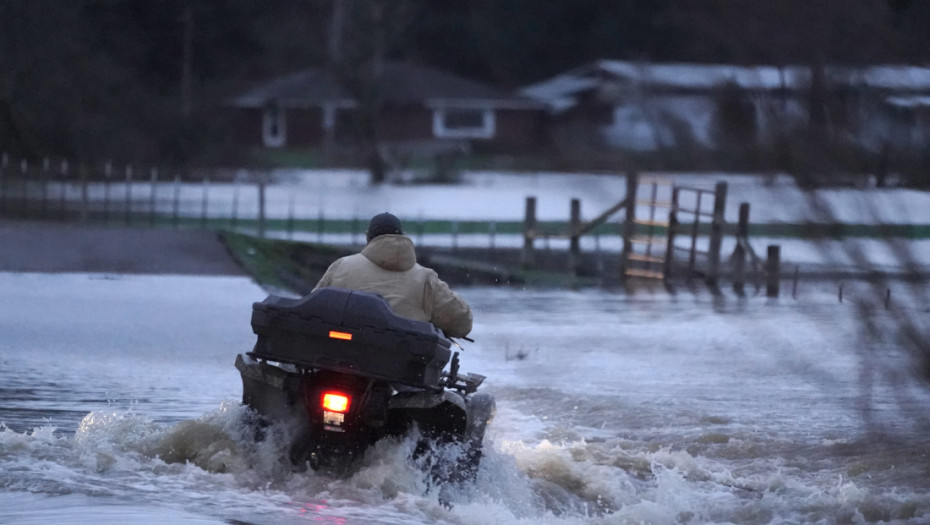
119	403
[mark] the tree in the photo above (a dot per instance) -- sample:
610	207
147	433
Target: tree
780	32
363	34
45	66
735	124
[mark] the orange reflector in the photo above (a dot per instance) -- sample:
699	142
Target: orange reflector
336	402
340	335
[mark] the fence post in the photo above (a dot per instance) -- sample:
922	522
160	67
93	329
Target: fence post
772	270
739	253
574	225
235	204
175	209
420	230
742	227
4	163
529	233
63	173
629	222
107	169
669	262
129	194
84	204
203	203
43	181
24	174
695	225
153	203
290	217
3	183
716	233
261	207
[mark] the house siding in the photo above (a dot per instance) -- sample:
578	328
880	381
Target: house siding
247	126
515	130
520	130
406	123
304	127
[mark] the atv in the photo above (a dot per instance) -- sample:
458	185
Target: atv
346	371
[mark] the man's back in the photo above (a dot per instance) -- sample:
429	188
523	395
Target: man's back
387	266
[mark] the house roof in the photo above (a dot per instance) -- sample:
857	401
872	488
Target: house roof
402	83
912	102
561	92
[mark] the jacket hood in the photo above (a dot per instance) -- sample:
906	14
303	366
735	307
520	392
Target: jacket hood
391	252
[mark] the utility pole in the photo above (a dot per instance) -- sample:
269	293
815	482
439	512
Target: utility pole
336	24
334	48
186	80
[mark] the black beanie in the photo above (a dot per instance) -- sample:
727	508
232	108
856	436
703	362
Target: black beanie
383	224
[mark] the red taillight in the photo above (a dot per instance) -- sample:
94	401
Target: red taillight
336	402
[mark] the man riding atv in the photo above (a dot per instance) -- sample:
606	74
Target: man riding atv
387	266
362	357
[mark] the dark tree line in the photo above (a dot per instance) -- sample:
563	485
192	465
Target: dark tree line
137	79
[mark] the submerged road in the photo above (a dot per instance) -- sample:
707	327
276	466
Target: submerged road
33	246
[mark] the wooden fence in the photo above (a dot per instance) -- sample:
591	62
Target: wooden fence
681	213
246	201
231	199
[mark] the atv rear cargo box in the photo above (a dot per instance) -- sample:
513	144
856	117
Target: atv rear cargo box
343	330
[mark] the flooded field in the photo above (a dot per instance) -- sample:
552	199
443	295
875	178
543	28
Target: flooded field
119	403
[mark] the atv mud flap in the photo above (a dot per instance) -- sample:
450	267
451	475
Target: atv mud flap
270	390
439	415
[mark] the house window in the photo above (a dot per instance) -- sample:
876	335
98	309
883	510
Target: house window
464	123
274	127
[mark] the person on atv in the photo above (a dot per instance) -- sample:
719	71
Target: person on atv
387	266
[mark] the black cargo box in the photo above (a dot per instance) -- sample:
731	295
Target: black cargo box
350	331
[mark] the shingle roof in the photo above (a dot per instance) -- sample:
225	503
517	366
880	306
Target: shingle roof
402	83
303	88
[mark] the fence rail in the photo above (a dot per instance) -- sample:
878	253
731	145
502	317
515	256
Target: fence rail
235	200
248	201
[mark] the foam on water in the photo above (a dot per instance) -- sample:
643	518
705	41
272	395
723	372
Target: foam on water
212	467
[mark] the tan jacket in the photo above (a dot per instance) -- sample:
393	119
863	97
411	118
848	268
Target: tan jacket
388	267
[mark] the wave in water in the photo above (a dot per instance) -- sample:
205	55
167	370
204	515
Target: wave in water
122	464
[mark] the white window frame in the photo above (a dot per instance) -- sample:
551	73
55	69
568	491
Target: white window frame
485	131
274	117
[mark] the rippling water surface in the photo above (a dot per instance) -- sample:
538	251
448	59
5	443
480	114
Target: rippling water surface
119	403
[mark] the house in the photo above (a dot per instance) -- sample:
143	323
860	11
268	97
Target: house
910	115
650	107
421	107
